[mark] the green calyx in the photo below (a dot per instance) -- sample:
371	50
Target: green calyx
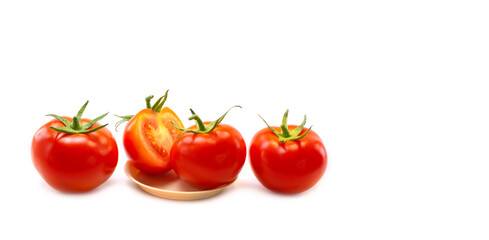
157	106
201	127
76	126
285	134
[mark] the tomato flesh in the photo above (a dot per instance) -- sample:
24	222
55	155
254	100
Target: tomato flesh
148	138
155	137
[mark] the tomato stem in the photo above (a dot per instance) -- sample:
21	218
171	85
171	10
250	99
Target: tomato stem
148	101
76	126
201	127
285	134
198	121
155	107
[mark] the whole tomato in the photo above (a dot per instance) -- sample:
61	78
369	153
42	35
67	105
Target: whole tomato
74	154
288	159
149	135
208	155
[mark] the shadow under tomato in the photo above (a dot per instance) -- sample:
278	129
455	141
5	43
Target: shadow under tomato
246	184
255	185
102	187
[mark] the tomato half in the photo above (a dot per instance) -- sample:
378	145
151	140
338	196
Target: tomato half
209	160
148	138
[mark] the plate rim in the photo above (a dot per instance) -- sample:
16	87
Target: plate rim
141	185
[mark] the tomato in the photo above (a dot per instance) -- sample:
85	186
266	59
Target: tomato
148	138
288	163
74	154
208	155
149	135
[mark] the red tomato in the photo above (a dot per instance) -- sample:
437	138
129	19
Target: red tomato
74	162
288	166
211	158
149	135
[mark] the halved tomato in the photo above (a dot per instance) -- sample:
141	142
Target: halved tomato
149	136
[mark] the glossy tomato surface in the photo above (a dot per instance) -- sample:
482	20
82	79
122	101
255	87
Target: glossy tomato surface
209	160
289	167
148	138
74	162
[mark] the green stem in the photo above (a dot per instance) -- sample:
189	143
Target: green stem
286	135
201	127
200	124
157	106
76	125
148	101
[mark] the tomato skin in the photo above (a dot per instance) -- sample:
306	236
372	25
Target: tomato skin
209	160
74	162
148	138
290	167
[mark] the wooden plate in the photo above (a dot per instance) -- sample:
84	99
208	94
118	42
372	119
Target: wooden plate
168	185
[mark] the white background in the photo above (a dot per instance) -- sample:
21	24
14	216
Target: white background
396	89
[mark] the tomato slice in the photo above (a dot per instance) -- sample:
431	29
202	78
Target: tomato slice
148	139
